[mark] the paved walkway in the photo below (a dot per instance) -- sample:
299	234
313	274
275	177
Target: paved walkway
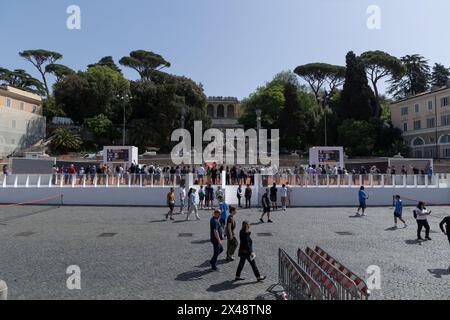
142	256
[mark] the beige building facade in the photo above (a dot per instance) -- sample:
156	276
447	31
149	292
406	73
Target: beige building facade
425	122
21	120
224	112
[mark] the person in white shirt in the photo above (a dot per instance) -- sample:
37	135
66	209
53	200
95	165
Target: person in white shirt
182	193
421	214
219	192
284	195
200	174
192	199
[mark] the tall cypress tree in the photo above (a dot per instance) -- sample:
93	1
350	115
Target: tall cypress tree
357	99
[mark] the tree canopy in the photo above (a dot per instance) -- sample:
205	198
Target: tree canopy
146	63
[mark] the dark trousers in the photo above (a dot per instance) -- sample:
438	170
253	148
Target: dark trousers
448	235
218	249
423	224
247	202
252	264
239	201
231	247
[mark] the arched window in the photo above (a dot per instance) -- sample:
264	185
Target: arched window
418	142
210	110
230	111
445	139
220	111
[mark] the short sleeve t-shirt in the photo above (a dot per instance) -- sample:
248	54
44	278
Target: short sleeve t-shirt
420	217
224	208
231	221
398	206
214	226
362	196
284	192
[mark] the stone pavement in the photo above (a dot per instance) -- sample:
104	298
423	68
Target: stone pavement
145	257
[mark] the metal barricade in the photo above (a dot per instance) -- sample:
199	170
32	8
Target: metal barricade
346	287
291	279
327	285
362	286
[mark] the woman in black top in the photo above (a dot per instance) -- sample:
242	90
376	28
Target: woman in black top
246	253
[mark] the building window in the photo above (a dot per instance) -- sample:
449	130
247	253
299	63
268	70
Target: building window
416	108
430	105
445	120
444	101
418	142
220	111
417	153
404	111
34	108
445	139
22	105
430	123
431	140
417	125
13	124
230	111
430	152
447	153
8	102
405	127
210	110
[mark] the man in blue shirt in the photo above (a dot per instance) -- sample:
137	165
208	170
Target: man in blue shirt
224	212
398	204
362	195
216	238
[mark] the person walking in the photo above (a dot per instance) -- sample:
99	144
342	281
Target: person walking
201	197
182	193
192	204
273	196
223	207
239	194
421	214
362	195
284	196
398	204
216	234
232	242
248	196
266	207
246	253
446	231
170	203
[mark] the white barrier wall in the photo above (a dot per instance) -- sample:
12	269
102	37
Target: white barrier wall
156	196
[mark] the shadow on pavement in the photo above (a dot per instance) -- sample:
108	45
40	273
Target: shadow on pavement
156	221
192	275
208	264
418	242
391	229
228	285
200	241
438	273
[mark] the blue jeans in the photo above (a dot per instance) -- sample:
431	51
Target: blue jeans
218	249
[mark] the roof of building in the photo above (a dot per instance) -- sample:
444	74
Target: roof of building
20	92
422	94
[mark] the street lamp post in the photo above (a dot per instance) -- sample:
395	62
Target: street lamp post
125	99
324	102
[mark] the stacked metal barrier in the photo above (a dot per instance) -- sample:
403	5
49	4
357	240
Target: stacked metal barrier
318	276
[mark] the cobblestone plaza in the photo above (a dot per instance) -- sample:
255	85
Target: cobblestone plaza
133	253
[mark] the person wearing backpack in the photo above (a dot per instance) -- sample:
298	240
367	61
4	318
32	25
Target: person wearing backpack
421	214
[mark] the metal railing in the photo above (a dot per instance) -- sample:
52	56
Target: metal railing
167	180
296	282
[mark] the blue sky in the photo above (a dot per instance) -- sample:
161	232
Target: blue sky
231	46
